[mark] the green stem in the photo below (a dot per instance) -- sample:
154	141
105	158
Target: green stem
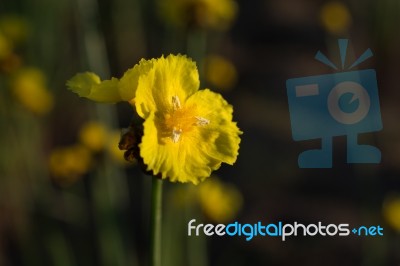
156	215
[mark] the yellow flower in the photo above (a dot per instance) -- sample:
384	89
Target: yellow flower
29	87
93	135
5	47
14	27
335	17
217	14
220	72
10	63
98	138
67	164
391	212
187	132
219	201
112	146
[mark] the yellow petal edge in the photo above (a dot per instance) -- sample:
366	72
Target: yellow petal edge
90	86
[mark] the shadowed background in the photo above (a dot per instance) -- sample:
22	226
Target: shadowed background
68	198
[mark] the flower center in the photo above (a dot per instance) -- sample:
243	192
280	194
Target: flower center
181	120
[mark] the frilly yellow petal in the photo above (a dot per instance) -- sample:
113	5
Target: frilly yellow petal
221	136
179	162
175	75
90	86
200	150
129	81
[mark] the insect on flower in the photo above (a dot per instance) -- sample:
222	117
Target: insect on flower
185	134
129	142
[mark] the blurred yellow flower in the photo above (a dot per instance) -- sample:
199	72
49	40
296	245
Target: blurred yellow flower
335	17
220	72
188	132
29	87
93	135
112	146
391	212
98	138
68	164
14	27
5	47
217	14
220	201
10	63
183	196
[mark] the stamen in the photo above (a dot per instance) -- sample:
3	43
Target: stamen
201	121
176	103
181	120
176	134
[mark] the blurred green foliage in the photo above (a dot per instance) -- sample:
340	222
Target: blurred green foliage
98	215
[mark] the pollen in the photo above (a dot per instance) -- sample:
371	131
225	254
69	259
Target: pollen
201	121
176	134
181	119
176	103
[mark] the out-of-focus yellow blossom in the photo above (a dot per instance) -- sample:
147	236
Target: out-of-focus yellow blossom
29	87
391	212
93	135
188	132
216	14
68	164
10	64
5	47
14	27
98	138
335	17
220	72
13	30
112	147
183	196
220	201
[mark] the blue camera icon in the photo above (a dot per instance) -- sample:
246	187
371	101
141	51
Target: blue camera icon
339	104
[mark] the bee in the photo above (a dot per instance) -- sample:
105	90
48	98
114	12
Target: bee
129	142
128	139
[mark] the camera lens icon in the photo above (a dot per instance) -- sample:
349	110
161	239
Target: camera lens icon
344	103
337	101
